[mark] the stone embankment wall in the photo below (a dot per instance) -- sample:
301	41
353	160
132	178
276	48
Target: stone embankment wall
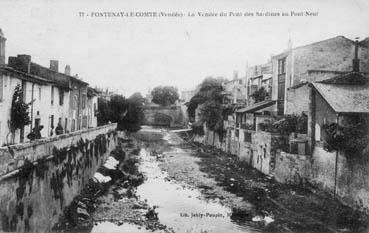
40	178
347	178
257	148
343	174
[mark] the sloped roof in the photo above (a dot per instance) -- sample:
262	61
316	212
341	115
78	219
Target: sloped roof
350	78
345	98
257	106
24	76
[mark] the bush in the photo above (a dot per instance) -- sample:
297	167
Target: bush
260	95
352	139
290	124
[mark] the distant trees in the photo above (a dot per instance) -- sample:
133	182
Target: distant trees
164	95
127	113
137	98
134	116
209	97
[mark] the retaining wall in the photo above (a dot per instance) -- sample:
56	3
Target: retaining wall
39	179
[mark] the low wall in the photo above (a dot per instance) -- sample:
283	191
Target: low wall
352	180
292	168
258	148
40	178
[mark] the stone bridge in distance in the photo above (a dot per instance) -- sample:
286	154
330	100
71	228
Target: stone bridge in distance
167	116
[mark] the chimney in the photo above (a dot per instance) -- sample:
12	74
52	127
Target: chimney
2	48
54	65
356	61
289	44
67	70
235	75
21	62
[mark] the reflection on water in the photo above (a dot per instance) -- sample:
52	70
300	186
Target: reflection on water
108	227
181	207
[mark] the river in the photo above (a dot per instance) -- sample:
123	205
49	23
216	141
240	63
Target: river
180	206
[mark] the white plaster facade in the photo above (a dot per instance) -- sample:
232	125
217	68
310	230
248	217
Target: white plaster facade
53	97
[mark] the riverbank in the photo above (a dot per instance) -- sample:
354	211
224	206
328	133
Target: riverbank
257	198
109	201
158	182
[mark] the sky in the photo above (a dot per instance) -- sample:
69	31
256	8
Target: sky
130	54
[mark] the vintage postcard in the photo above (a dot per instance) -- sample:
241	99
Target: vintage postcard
195	116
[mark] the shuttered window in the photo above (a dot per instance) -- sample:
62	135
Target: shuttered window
1	88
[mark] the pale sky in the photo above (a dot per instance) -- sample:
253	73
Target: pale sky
135	54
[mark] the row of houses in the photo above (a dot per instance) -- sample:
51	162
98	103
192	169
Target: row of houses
56	99
315	86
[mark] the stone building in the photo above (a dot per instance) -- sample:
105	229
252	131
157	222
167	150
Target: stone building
234	90
32	88
313	62
54	98
258	76
67	95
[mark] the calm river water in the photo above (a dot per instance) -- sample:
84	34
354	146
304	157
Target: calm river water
180	207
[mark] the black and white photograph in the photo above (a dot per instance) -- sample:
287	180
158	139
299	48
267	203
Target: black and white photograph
192	116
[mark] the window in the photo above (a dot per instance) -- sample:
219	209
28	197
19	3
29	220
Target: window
73	127
52	95
247	136
83	101
61	97
84	122
74	102
39	93
52	121
66	124
282	66
1	88
37	123
317	132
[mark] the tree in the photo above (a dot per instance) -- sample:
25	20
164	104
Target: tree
164	95
113	110
260	95
210	90
127	113
137	98
19	115
119	107
212	112
104	113
133	119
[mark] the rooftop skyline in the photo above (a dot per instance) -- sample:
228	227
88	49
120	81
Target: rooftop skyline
137	54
